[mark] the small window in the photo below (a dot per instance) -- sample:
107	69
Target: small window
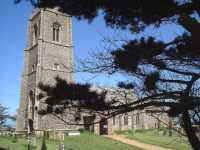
33	67
56	32
35	30
113	120
137	118
56	66
35	34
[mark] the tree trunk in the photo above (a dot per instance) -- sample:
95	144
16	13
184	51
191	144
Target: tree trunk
187	125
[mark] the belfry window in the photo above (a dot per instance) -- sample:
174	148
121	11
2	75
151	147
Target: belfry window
56	31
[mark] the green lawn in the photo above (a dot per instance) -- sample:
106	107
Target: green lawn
156	137
95	142
21	143
85	141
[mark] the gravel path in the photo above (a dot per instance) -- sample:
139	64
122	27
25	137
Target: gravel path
135	143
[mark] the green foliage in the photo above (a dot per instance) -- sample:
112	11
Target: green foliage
71	94
151	80
3	115
123	14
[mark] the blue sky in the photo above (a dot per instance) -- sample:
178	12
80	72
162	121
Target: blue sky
86	37
13	29
13	32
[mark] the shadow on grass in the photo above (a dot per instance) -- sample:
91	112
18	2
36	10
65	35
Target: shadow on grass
3	148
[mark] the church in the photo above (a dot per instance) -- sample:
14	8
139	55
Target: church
48	54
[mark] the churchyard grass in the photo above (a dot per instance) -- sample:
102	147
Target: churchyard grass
159	137
21	143
86	141
89	141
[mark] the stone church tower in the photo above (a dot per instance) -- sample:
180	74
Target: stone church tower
48	54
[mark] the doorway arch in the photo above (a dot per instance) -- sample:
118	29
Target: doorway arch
103	127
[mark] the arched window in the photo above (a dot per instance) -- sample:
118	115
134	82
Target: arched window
56	31
33	68
137	118
35	33
113	120
35	30
31	105
125	119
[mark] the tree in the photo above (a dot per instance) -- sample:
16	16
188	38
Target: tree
167	73
3	115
